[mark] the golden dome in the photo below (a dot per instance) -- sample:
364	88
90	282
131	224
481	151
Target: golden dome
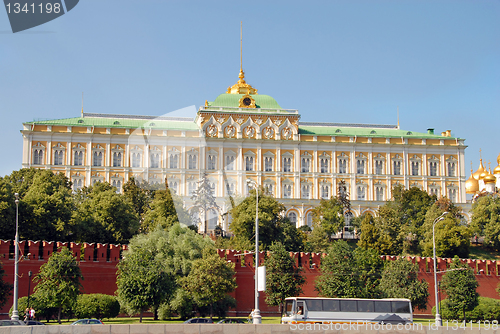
497	169
490	178
471	185
479	170
498	159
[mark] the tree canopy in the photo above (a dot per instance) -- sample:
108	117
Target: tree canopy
283	278
485	220
59	281
400	280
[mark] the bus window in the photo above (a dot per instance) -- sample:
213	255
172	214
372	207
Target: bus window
331	305
382	306
400	307
365	306
300	308
289	307
348	306
314	305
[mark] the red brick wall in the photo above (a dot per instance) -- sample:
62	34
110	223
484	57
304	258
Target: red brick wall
99	271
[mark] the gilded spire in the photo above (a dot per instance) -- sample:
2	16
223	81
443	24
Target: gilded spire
241	87
82	104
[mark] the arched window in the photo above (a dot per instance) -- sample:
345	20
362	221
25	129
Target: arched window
414	168
211	162
292	216
451	169
117	159
309	219
58	157
136	160
287	164
249	163
323	165
268	164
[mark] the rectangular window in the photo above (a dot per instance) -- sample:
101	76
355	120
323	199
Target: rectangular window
117	159
287	164
342	166
361	193
331	305
360	167
348	306
230	162
249	163
306	191
324	166
325	192
211	162
136	160
451	169
305	165
382	306
366	306
192	161
397	167
78	159
287	191
174	161
379	167
97	159
379	193
433	169
414	168
58	157
268	164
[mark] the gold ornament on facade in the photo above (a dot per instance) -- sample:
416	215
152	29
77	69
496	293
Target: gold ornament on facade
249	131
211	130
269	133
286	133
230	131
241	87
246	101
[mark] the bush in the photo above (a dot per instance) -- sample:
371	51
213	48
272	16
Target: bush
488	309
97	306
41	311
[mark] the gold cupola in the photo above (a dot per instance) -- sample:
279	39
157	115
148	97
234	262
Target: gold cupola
471	185
497	168
241	87
490	178
479	171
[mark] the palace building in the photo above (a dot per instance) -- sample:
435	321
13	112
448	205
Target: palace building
241	136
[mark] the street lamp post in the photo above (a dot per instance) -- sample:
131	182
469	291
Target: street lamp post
257	319
15	314
439	322
30	273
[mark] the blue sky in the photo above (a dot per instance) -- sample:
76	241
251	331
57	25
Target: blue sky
334	61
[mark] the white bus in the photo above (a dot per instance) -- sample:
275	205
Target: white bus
346	310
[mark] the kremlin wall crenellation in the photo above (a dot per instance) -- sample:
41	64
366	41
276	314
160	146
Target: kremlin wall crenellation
98	264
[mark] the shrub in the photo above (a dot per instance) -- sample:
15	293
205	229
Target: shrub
97	306
488	309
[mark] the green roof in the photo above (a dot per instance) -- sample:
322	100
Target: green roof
232	100
124	121
364	131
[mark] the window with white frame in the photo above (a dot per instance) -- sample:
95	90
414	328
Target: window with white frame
118	185
452	194
136	160
287	164
306	191
325	191
77	184
96	178
173	160
269	187
230	162
342	164
78	155
396	170
38	157
360	166
433	168
305	164
154	159
309	219
173	186
379	167
379	193
323	162
361	193
117	159
249	163
97	159
211	162
58	157
230	189
414	168
192	159
292	216
434	189
451	168
287	190
268	164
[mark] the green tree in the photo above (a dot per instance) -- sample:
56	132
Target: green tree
371	236
485	220
96	305
5	287
45	209
330	215
170	252
348	273
103	216
292	238
270	219
318	240
136	195
165	211
210	279
283	278
460	284
400	280
451	234
7	211
58	282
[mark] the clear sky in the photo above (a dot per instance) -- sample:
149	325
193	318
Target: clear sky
335	61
